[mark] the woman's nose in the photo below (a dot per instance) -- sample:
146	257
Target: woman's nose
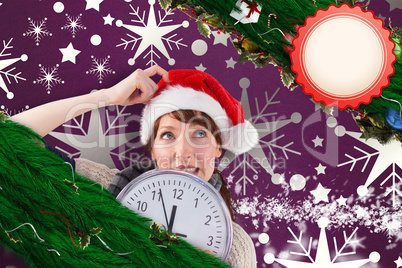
183	149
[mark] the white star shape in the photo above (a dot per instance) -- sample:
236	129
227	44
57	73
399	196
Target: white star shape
200	68
230	63
69	53
381	17
341	201
229	178
394	4
320	169
93	4
108	19
317	141
398	262
320	194
154	39
220	38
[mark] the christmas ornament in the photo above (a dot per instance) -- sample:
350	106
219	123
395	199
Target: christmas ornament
327	67
394	118
189	206
249	12
397	49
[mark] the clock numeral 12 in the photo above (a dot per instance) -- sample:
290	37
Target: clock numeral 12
179	195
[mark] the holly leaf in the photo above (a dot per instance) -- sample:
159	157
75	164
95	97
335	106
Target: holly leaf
85	240
13	238
71	185
173	240
206	16
203	29
287	79
95	231
326	109
199	10
249	45
156	229
3	117
398	32
178	3
165	4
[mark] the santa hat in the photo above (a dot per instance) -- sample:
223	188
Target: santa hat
196	90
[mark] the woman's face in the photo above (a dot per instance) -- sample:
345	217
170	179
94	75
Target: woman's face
185	146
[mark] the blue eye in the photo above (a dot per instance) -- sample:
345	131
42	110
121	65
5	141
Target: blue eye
200	134
167	136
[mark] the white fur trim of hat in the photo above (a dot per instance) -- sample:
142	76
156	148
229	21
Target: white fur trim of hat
198	91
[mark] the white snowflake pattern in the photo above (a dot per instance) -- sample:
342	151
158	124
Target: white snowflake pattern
384	160
378	219
11	112
73	24
323	254
257	154
37	30
100	67
151	41
48	77
5	71
97	140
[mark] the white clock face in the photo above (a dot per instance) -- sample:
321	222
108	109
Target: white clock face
185	204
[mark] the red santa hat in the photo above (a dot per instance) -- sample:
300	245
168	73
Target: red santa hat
196	90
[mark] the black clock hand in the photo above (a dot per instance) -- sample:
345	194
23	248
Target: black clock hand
170	224
172	216
163	205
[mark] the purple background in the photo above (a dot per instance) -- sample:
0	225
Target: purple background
267	207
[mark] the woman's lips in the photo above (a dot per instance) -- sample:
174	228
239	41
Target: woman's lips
190	169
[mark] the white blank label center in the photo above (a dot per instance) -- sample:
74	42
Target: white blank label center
343	56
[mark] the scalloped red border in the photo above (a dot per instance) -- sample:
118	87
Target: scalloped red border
342	101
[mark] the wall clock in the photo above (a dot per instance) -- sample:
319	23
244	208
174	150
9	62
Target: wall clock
185	204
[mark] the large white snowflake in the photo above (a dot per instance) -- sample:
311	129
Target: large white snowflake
387	155
323	257
48	77
37	30
73	24
100	67
96	141
154	40
258	155
6	72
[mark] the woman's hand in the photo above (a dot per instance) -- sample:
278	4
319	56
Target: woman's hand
138	87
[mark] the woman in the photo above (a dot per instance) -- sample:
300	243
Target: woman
188	119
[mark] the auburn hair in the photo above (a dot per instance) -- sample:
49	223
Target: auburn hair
203	119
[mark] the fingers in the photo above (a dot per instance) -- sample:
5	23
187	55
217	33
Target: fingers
156	69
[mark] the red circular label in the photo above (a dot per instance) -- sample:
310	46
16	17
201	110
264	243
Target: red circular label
343	56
